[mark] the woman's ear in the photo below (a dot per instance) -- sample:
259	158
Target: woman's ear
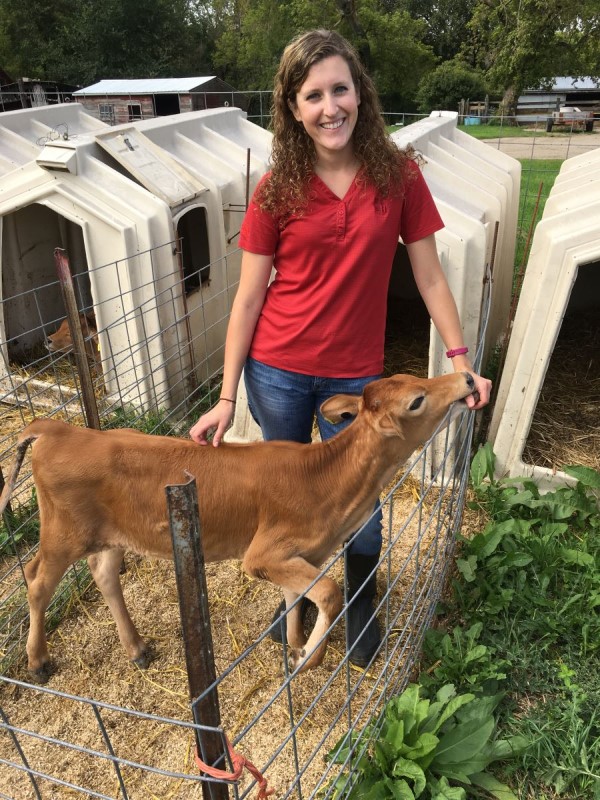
294	109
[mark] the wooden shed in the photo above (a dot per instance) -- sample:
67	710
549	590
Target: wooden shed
121	101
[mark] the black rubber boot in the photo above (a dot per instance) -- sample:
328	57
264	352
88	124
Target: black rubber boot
363	629
280	630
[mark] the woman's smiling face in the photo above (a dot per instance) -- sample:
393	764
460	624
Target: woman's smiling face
327	106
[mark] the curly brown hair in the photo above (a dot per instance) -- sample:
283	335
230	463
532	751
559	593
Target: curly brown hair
293	153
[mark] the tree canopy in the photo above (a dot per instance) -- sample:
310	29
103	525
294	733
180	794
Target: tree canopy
513	44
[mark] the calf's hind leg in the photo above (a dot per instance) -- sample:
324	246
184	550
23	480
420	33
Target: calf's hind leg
105	567
42	575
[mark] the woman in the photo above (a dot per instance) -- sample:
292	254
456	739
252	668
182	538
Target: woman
328	217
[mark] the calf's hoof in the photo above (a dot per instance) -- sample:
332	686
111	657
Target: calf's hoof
297	660
144	659
41	674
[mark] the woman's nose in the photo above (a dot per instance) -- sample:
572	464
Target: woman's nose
329	105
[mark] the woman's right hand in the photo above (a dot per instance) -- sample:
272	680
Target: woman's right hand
217	419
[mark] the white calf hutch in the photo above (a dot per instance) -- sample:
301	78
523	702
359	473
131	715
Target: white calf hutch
119	203
562	277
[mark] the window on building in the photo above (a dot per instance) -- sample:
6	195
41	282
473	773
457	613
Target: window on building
107	112
135	111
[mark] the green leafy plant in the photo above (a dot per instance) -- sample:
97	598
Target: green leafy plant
436	750
21	524
460	658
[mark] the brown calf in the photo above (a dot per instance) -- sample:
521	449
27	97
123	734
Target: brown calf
282	508
61	340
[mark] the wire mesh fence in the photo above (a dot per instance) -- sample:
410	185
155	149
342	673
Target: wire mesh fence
101	727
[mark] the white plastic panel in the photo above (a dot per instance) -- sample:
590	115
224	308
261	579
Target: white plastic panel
567	238
119	229
480	182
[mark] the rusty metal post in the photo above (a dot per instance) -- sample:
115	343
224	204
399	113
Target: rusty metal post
184	520
90	406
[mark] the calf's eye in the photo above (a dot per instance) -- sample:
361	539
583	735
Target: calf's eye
416	403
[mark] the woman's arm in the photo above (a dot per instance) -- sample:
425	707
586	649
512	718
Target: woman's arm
249	299
433	288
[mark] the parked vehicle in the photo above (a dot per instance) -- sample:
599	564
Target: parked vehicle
571	117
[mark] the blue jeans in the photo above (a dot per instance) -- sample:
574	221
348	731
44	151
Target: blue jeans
284	404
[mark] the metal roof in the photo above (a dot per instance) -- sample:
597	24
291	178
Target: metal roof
569	84
145	86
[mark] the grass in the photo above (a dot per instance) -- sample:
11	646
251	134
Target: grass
501	131
538	175
522	618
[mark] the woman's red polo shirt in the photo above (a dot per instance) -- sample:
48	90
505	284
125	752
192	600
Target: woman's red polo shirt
325	312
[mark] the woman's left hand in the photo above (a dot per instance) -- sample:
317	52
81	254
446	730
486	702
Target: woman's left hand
481	393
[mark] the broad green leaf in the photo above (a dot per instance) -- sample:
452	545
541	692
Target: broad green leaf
425	744
503	749
447	692
553	528
451	793
492	537
463	742
405	707
559	511
517	559
524	498
394	736
453	773
498	790
481	708
585	475
467	567
475	653
399	790
377	791
340	752
577	557
482	465
404	768
451	708
441	790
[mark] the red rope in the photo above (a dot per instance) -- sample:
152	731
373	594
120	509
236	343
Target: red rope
239	762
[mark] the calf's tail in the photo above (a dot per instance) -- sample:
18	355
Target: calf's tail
22	446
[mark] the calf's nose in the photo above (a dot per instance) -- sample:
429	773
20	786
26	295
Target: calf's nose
470	380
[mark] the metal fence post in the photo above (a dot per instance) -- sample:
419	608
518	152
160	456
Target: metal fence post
184	520
65	278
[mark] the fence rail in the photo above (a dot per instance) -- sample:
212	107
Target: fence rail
123	733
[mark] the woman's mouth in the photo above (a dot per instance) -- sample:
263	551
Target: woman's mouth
332	126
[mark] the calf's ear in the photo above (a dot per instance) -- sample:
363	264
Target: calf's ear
340	406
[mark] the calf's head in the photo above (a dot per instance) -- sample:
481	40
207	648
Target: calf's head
61	340
404	406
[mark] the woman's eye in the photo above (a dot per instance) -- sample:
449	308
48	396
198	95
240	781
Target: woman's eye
313	96
341	89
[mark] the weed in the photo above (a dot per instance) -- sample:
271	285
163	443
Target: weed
436	749
527	590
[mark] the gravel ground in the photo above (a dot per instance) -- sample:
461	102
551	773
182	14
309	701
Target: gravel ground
554	145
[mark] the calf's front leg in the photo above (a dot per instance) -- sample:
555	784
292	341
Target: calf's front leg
295	575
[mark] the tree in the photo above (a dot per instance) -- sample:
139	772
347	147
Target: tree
524	43
249	49
30	34
448	84
446	23
83	41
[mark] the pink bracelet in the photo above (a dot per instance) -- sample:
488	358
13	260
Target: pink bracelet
460	351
